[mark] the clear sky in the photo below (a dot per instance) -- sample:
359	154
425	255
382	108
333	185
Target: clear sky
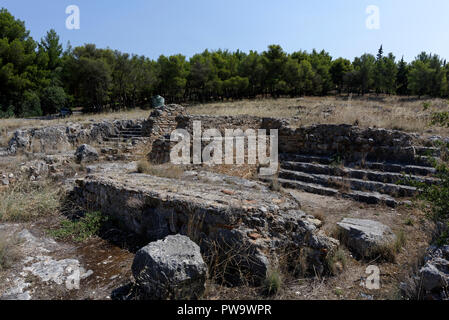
154	27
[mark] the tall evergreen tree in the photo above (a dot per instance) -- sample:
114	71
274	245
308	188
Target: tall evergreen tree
402	77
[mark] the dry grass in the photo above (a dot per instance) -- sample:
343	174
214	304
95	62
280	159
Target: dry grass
389	112
8	252
26	200
5	136
167	170
11	124
273	282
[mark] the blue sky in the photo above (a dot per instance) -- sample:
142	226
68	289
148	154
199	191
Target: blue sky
154	27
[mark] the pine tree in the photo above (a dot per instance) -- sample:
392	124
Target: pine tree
402	77
379	80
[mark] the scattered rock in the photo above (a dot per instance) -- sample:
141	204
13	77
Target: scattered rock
365	237
171	269
86	153
435	273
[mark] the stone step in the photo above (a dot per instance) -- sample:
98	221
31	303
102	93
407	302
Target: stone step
360	196
421	170
400	168
364	174
342	183
131	131
123	139
427	151
124	135
305	158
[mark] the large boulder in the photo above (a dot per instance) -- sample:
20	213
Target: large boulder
435	273
86	153
366	238
172	268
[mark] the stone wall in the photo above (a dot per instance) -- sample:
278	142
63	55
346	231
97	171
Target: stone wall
66	137
225	215
347	142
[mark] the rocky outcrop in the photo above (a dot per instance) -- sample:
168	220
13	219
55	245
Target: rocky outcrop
435	273
246	223
66	137
38	266
86	153
172	268
366	238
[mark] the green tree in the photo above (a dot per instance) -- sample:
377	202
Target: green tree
53	98
20	75
379	69
53	48
363	77
95	80
321	63
252	68
30	105
274	61
339	68
402	77
389	74
306	76
419	78
173	72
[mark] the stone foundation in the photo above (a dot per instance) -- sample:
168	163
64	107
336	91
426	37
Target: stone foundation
346	142
223	216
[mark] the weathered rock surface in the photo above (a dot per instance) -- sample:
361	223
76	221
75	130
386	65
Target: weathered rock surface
365	237
172	268
435	273
253	222
66	137
86	153
112	166
36	259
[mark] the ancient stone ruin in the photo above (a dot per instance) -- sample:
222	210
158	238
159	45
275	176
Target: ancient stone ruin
247	224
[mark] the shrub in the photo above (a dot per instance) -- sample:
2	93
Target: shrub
426	105
440	118
273	282
437	194
8	113
53	98
31	105
335	261
81	229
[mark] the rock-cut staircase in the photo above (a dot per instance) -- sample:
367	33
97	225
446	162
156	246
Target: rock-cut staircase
371	182
127	140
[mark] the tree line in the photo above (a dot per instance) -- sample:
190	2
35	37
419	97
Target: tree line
40	77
